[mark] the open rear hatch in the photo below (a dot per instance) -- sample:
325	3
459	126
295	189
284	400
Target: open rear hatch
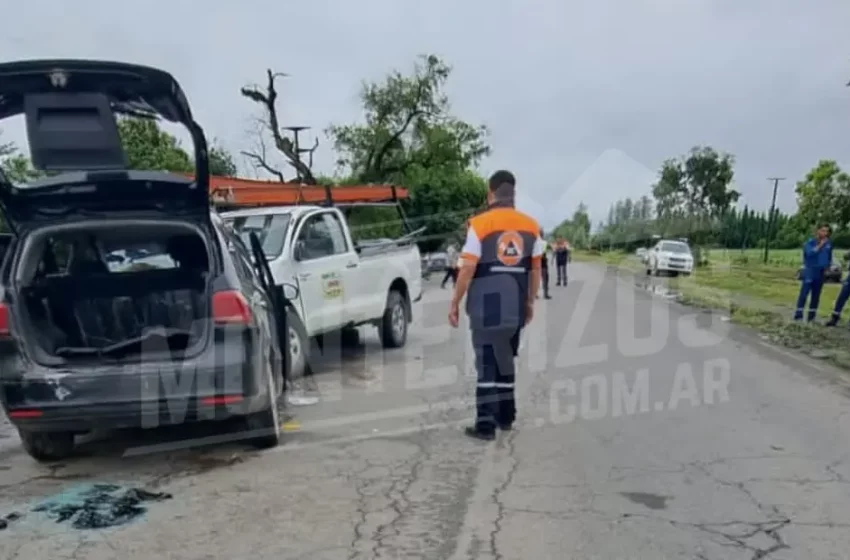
110	261
70	108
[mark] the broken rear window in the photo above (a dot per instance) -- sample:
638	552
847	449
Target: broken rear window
133	257
270	228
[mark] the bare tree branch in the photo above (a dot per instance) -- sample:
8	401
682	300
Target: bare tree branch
268	100
260	160
261	163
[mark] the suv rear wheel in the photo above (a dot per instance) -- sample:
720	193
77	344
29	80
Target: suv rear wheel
46	447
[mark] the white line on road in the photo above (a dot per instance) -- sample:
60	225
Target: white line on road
347	420
136	451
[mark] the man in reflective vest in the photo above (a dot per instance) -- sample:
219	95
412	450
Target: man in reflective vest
500	269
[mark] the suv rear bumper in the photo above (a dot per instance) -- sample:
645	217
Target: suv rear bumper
139	396
153	414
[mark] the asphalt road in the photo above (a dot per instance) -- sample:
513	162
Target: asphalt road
647	431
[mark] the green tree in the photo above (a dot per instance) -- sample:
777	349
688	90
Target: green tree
148	147
694	191
16	166
221	162
408	136
824	195
696	185
408	123
576	229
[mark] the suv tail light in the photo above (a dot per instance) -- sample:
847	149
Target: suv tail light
230	308
4	320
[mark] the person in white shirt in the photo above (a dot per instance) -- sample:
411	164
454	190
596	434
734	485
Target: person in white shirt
544	267
451	271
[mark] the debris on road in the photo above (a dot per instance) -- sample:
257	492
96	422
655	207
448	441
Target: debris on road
8	519
98	506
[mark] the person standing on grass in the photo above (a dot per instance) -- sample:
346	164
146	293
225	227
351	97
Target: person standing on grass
817	258
841	300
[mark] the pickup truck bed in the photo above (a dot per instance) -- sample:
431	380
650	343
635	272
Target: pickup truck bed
371	247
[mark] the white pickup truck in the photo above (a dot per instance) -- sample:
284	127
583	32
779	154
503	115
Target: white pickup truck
340	284
670	257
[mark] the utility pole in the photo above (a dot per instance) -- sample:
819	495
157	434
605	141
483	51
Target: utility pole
310	152
770	220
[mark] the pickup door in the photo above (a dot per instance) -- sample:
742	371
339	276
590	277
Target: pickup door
325	267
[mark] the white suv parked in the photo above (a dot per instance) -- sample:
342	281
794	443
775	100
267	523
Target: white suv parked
670	257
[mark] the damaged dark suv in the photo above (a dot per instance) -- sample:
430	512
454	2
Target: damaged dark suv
124	300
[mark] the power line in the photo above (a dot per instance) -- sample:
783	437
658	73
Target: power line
770	217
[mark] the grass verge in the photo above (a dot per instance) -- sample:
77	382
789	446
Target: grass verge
758	297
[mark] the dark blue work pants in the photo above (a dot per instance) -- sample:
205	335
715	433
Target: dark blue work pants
811	286
495	352
562	273
841	300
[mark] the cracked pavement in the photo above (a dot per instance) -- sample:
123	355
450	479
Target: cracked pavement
756	468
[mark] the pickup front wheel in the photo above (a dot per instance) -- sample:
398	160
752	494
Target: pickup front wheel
299	346
393	327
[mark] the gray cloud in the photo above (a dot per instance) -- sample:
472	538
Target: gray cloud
576	93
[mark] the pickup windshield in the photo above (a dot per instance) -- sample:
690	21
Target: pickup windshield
672	247
270	229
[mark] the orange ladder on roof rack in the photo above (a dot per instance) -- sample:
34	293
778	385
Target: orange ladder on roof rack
232	193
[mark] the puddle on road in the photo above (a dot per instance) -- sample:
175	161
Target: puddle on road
657	289
99	506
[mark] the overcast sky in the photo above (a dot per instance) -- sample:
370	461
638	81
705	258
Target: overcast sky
584	98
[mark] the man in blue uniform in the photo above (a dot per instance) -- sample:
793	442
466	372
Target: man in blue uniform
500	269
841	300
562	257
817	258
